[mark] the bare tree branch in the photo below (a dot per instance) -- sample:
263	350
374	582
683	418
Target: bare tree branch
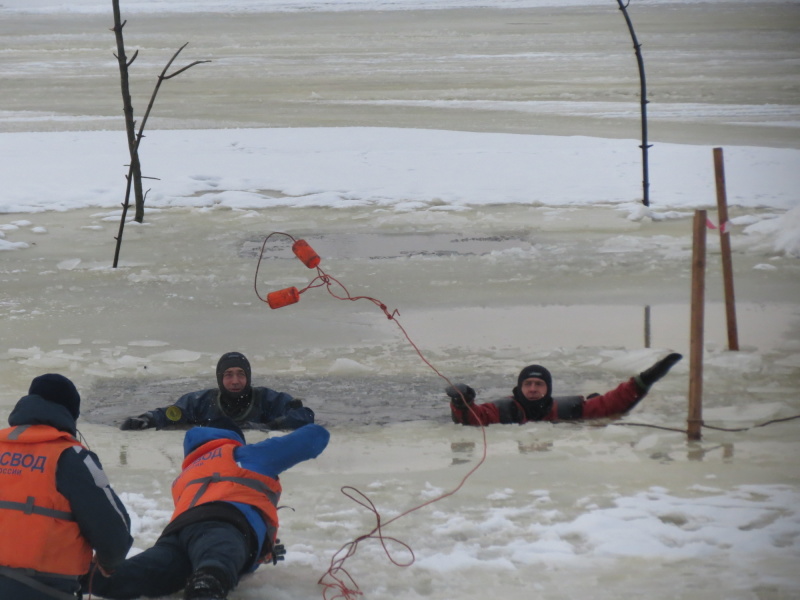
637	48
134	176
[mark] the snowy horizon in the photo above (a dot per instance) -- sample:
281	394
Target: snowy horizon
253	6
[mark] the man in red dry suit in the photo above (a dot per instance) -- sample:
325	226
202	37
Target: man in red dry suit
532	398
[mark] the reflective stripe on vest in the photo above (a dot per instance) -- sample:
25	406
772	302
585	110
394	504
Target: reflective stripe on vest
31	508
219	478
204	482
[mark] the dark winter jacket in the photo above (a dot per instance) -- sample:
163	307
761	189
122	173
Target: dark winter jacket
271	409
101	516
516	410
270	457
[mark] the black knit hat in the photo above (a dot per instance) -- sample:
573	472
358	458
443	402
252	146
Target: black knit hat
229	360
59	390
539	372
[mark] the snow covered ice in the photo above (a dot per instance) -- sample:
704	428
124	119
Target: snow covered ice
479	171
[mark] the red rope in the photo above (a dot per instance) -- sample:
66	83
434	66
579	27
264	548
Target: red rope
337	579
92	571
260	255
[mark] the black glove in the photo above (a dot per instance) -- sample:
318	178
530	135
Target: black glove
278	552
459	393
647	378
294	403
144	421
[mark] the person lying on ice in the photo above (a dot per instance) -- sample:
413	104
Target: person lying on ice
57	507
235	398
532	399
225	521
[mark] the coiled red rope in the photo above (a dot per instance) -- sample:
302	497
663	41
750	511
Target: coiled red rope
337	582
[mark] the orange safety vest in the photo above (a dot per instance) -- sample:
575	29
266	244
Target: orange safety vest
39	530
211	474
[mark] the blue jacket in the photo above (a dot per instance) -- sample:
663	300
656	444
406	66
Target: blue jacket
80	478
269	408
270	457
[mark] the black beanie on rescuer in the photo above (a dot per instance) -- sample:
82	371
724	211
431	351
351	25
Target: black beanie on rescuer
57	389
229	360
539	372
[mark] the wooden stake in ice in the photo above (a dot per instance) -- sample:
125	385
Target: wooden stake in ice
695	417
725	249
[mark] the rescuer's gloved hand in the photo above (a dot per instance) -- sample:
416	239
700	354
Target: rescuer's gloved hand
144	421
647	378
460	394
278	552
294	403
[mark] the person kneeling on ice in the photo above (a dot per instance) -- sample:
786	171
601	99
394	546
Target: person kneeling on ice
226	515
234	397
532	399
57	507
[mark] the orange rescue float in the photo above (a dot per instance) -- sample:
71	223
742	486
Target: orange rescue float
283	297
306	254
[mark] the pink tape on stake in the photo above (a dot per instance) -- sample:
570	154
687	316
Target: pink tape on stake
709	224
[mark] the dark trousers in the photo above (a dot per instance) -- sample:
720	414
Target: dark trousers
10	588
165	568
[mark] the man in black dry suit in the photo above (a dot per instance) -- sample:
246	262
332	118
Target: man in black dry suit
234	398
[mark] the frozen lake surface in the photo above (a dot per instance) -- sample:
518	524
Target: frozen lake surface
415	151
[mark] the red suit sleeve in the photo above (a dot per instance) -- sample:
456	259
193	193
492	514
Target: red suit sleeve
488	414
616	402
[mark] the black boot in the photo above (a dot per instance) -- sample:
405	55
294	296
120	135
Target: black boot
207	583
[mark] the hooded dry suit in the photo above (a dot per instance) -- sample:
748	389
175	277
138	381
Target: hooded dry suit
517	409
266	407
